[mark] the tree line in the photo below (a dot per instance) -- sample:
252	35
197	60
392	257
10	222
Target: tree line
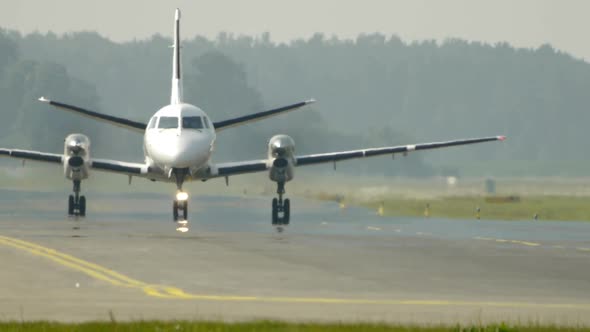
374	90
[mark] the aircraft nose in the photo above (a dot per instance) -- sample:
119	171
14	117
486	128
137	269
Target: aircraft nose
192	149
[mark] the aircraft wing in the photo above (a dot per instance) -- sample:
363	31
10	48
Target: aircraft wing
105	165
120	122
372	152
235	168
241	167
221	125
32	155
120	167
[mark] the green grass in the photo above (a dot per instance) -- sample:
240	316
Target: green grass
518	168
464	207
261	326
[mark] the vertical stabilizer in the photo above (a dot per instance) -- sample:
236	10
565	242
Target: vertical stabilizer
176	95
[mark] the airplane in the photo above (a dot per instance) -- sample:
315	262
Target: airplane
178	144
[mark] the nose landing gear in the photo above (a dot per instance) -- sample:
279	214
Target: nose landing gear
180	203
180	211
77	203
281	209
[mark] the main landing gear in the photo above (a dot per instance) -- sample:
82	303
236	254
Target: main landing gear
281	209
180	203
77	203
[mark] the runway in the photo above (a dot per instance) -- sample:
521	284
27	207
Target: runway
127	261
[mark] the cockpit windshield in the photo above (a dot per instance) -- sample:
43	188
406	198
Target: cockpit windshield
192	122
168	122
152	123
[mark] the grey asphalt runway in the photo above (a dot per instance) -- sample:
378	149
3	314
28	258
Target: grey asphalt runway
126	260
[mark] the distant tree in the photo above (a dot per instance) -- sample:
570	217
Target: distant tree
8	50
31	124
219	85
423	91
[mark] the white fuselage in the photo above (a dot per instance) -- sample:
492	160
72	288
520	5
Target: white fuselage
179	136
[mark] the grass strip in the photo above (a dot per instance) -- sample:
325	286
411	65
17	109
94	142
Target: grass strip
263	326
568	208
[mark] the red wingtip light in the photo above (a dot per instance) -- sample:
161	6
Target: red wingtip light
501	138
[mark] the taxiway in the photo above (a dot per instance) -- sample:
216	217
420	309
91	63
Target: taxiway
126	260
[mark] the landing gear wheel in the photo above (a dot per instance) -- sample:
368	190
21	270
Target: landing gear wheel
82	206
185	210
275	211
175	211
71	205
281	209
76	203
180	203
286	211
180	213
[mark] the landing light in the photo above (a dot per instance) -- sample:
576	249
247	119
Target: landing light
181	196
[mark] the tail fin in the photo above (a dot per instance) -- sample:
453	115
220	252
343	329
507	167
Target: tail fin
176	95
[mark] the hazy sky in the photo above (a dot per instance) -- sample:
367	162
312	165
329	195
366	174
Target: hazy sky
524	23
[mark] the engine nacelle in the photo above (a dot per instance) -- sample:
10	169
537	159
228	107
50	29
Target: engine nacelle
281	150
76	156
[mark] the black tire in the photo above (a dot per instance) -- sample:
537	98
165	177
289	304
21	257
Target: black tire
82	206
275	211
175	211
71	205
185	210
286	211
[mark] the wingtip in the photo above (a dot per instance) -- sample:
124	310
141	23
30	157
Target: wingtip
177	14
43	100
501	138
310	101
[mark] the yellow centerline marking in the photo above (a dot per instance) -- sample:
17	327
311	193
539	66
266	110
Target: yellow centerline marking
93	270
161	291
71	261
